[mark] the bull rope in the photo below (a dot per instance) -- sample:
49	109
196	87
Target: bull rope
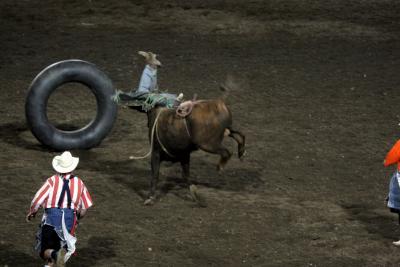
186	110
186	127
151	139
161	144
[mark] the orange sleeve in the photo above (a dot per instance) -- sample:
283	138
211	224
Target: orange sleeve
393	156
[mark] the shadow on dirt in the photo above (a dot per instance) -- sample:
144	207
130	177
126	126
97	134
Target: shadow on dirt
131	176
98	248
18	134
375	223
135	177
13	133
234	180
9	256
124	172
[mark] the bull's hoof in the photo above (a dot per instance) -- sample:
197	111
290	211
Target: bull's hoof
197	197
242	155
220	169
150	201
193	191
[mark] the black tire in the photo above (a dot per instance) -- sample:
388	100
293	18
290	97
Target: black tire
44	85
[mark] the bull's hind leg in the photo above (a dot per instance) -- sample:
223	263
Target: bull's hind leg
240	140
218	149
155	170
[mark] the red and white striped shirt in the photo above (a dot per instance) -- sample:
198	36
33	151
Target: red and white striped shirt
49	194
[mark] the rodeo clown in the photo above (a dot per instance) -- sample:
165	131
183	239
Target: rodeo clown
393	198
65	200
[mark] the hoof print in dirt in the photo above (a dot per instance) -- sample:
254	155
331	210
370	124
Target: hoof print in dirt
197	197
220	170
150	201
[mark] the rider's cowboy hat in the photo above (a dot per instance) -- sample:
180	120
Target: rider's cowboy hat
65	162
150	58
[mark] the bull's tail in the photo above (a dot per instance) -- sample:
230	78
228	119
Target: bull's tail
230	84
225	91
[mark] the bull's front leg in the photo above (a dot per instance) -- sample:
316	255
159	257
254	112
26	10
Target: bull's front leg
155	171
185	163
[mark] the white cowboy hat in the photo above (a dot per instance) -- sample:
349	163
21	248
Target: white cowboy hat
150	58
65	162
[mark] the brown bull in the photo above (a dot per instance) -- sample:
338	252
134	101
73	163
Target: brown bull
175	137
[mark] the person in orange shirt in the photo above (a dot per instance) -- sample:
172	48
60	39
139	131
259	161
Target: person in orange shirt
393	198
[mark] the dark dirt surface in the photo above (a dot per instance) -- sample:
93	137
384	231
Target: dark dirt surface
317	99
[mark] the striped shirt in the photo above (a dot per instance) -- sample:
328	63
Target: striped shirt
49	194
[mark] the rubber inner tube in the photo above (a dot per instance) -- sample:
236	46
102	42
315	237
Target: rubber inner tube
43	86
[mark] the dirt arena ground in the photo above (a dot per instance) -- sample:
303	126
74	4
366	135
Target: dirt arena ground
317	99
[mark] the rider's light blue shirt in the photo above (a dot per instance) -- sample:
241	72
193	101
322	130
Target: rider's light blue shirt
148	81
